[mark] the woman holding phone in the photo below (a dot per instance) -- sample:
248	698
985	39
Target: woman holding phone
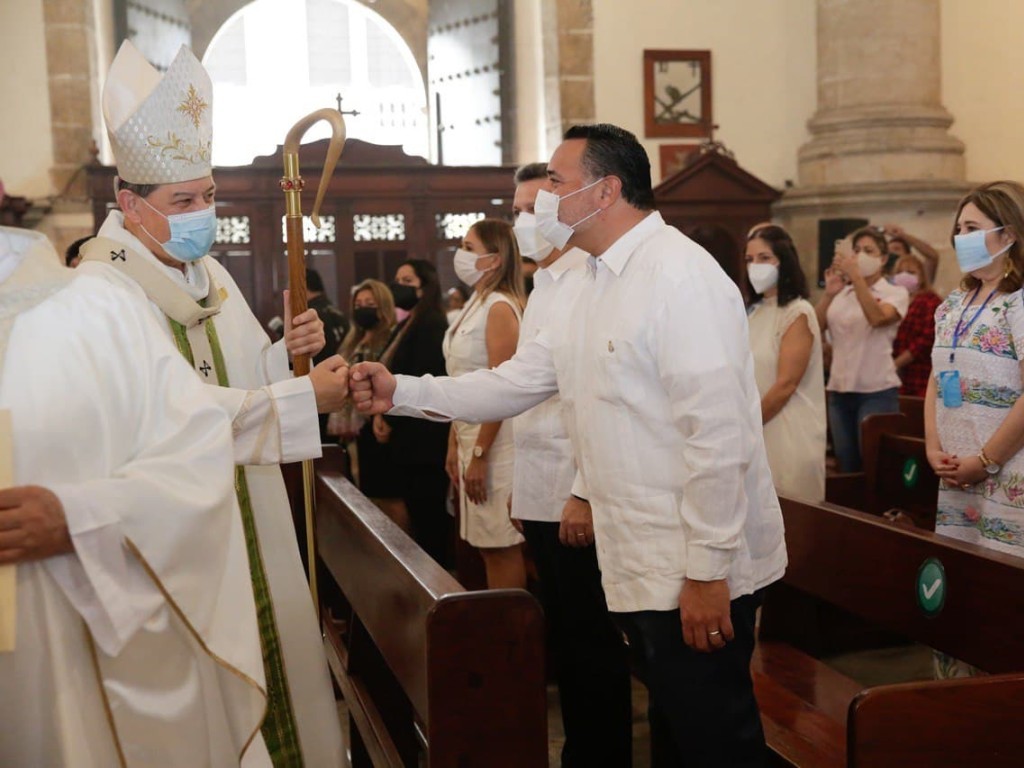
862	312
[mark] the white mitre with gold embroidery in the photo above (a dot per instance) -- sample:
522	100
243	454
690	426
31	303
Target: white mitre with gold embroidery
160	127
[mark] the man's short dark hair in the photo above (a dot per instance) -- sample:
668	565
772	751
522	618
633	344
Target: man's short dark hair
612	151
531	172
142	190
313	280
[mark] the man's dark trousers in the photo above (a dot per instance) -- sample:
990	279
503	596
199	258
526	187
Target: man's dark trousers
702	708
589	653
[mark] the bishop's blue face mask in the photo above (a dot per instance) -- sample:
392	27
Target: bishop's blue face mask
972	253
192	234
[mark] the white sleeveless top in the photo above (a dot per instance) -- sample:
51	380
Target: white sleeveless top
465	342
465	350
795	438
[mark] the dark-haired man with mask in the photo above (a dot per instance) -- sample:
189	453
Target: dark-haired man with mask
657	382
591	664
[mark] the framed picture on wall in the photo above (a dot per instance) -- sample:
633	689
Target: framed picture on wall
677	93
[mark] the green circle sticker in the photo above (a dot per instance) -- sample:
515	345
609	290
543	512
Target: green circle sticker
931	587
911	472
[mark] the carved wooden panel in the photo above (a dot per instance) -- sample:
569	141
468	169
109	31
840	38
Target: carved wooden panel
714	201
382	207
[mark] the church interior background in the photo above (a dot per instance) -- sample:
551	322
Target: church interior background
884	110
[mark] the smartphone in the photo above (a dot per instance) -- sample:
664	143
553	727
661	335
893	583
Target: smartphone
844	246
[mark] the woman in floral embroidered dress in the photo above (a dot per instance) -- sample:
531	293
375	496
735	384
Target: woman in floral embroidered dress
974	416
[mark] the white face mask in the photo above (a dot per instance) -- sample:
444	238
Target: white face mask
465	266
546	208
532	244
763	276
868	264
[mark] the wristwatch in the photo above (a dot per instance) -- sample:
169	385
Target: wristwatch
990	466
478	452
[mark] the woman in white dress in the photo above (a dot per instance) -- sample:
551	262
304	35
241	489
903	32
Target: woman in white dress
480	456
785	341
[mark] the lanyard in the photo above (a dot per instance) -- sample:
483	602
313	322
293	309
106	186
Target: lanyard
958	330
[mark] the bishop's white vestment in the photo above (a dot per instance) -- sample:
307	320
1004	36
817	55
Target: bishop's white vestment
141	648
274	420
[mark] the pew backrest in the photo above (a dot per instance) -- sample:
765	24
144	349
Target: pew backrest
960	598
425	666
913	409
896	472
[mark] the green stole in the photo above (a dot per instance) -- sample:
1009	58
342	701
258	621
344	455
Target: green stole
195	335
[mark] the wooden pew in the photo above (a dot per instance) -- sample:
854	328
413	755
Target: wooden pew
432	675
814	716
913	409
896	473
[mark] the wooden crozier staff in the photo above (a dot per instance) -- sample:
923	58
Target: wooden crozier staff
291	185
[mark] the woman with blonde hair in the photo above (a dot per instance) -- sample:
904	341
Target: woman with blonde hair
912	349
373	319
480	457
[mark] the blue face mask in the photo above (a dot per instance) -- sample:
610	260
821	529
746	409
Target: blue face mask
192	234
972	253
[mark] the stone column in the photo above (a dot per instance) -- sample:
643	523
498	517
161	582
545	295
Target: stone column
74	85
880	147
575	26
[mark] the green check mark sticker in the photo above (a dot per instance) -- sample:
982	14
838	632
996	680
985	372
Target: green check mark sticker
931	587
911	472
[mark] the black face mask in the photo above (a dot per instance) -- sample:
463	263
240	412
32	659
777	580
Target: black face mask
366	318
405	296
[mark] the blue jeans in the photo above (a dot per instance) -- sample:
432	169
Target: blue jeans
846	410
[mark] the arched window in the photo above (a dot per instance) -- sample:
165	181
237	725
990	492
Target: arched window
277	60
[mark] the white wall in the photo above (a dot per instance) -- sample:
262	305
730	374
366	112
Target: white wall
529	83
763	74
763	55
26	145
983	84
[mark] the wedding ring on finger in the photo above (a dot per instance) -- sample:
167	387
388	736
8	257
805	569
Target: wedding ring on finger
715	632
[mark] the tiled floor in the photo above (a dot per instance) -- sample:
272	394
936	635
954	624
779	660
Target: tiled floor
885	665
641	732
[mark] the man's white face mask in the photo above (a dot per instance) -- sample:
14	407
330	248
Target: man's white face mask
532	244
546	209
